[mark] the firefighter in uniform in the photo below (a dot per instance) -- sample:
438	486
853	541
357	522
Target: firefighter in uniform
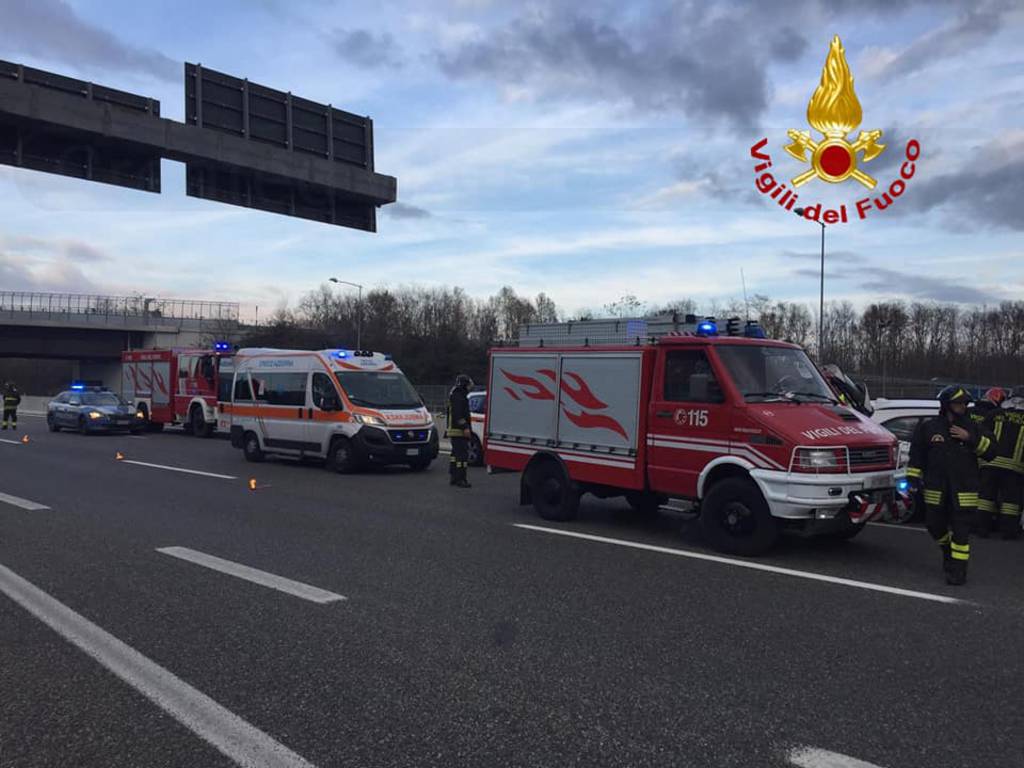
12	398
1010	462
459	430
999	479
944	467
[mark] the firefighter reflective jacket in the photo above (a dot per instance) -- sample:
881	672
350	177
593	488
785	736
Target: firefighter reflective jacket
11	398
1009	432
989	419
947	467
458	412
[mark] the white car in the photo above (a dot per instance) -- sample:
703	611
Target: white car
901	417
477	415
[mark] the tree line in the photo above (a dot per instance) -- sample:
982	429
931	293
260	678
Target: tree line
438	332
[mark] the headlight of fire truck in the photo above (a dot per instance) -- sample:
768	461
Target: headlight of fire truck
819	460
375	421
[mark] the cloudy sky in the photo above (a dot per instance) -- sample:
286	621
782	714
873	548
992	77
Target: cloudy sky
588	150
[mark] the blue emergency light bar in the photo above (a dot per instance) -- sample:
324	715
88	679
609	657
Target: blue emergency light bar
707	328
753	330
221	346
341	354
77	386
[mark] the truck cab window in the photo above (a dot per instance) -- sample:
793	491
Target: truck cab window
689	378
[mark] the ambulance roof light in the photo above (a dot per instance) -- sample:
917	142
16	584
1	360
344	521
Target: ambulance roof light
340	354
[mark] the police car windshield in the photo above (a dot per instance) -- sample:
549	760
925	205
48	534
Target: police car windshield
379	390
763	373
100	398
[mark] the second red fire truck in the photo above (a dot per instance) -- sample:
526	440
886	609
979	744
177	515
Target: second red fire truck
174	386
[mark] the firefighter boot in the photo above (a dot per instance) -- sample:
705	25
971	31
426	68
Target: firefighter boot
983	518
462	481
956	572
1009	521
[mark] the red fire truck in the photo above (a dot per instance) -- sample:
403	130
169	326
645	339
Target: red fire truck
743	427
175	386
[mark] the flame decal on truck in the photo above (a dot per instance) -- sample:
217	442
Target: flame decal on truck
578	390
585	420
540	392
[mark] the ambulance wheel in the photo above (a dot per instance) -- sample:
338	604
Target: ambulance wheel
553	494
200	427
340	457
735	518
251	447
476	452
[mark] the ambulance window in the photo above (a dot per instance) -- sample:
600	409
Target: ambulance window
689	378
282	389
242	390
325	394
224	382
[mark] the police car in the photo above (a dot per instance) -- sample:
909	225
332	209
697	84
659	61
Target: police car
89	409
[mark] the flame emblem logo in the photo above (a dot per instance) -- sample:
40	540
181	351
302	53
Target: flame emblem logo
834	111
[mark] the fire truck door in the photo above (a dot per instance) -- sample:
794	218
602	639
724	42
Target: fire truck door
689	422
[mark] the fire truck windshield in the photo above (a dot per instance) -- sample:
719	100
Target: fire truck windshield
763	372
379	390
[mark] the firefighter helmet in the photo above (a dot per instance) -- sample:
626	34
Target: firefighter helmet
954	393
462	380
996	396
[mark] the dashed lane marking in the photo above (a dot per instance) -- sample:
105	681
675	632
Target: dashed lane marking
31	506
178	469
812	757
234	737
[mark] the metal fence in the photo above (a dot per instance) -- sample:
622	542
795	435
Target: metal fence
60	304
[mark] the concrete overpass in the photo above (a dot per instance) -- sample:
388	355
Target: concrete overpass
92	331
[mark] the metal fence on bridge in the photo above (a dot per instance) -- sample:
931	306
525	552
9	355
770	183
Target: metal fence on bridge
34	305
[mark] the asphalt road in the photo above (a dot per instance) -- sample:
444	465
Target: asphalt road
454	637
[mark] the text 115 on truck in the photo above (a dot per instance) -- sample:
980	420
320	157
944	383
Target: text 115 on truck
744	427
175	386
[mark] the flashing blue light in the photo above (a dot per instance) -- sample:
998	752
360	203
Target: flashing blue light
707	328
78	387
341	353
902	485
221	346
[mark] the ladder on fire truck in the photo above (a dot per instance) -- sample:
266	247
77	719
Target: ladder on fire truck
629	331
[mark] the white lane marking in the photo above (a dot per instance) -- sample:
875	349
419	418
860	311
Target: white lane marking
33	414
900	527
812	757
31	506
178	469
226	731
280	583
752	566
10	442
135	437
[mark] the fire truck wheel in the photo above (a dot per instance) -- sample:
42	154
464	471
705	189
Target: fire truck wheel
476	452
340	458
554	496
251	447
735	518
200	428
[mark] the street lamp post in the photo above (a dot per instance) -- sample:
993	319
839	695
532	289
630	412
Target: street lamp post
821	296
359	310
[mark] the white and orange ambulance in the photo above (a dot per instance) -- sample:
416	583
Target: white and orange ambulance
348	407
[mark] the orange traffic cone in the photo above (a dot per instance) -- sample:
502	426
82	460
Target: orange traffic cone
24	439
118	456
252	483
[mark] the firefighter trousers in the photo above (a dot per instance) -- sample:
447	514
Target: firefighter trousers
948	518
999	497
10	417
459	461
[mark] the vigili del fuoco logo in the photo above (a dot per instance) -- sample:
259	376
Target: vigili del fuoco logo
834	112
